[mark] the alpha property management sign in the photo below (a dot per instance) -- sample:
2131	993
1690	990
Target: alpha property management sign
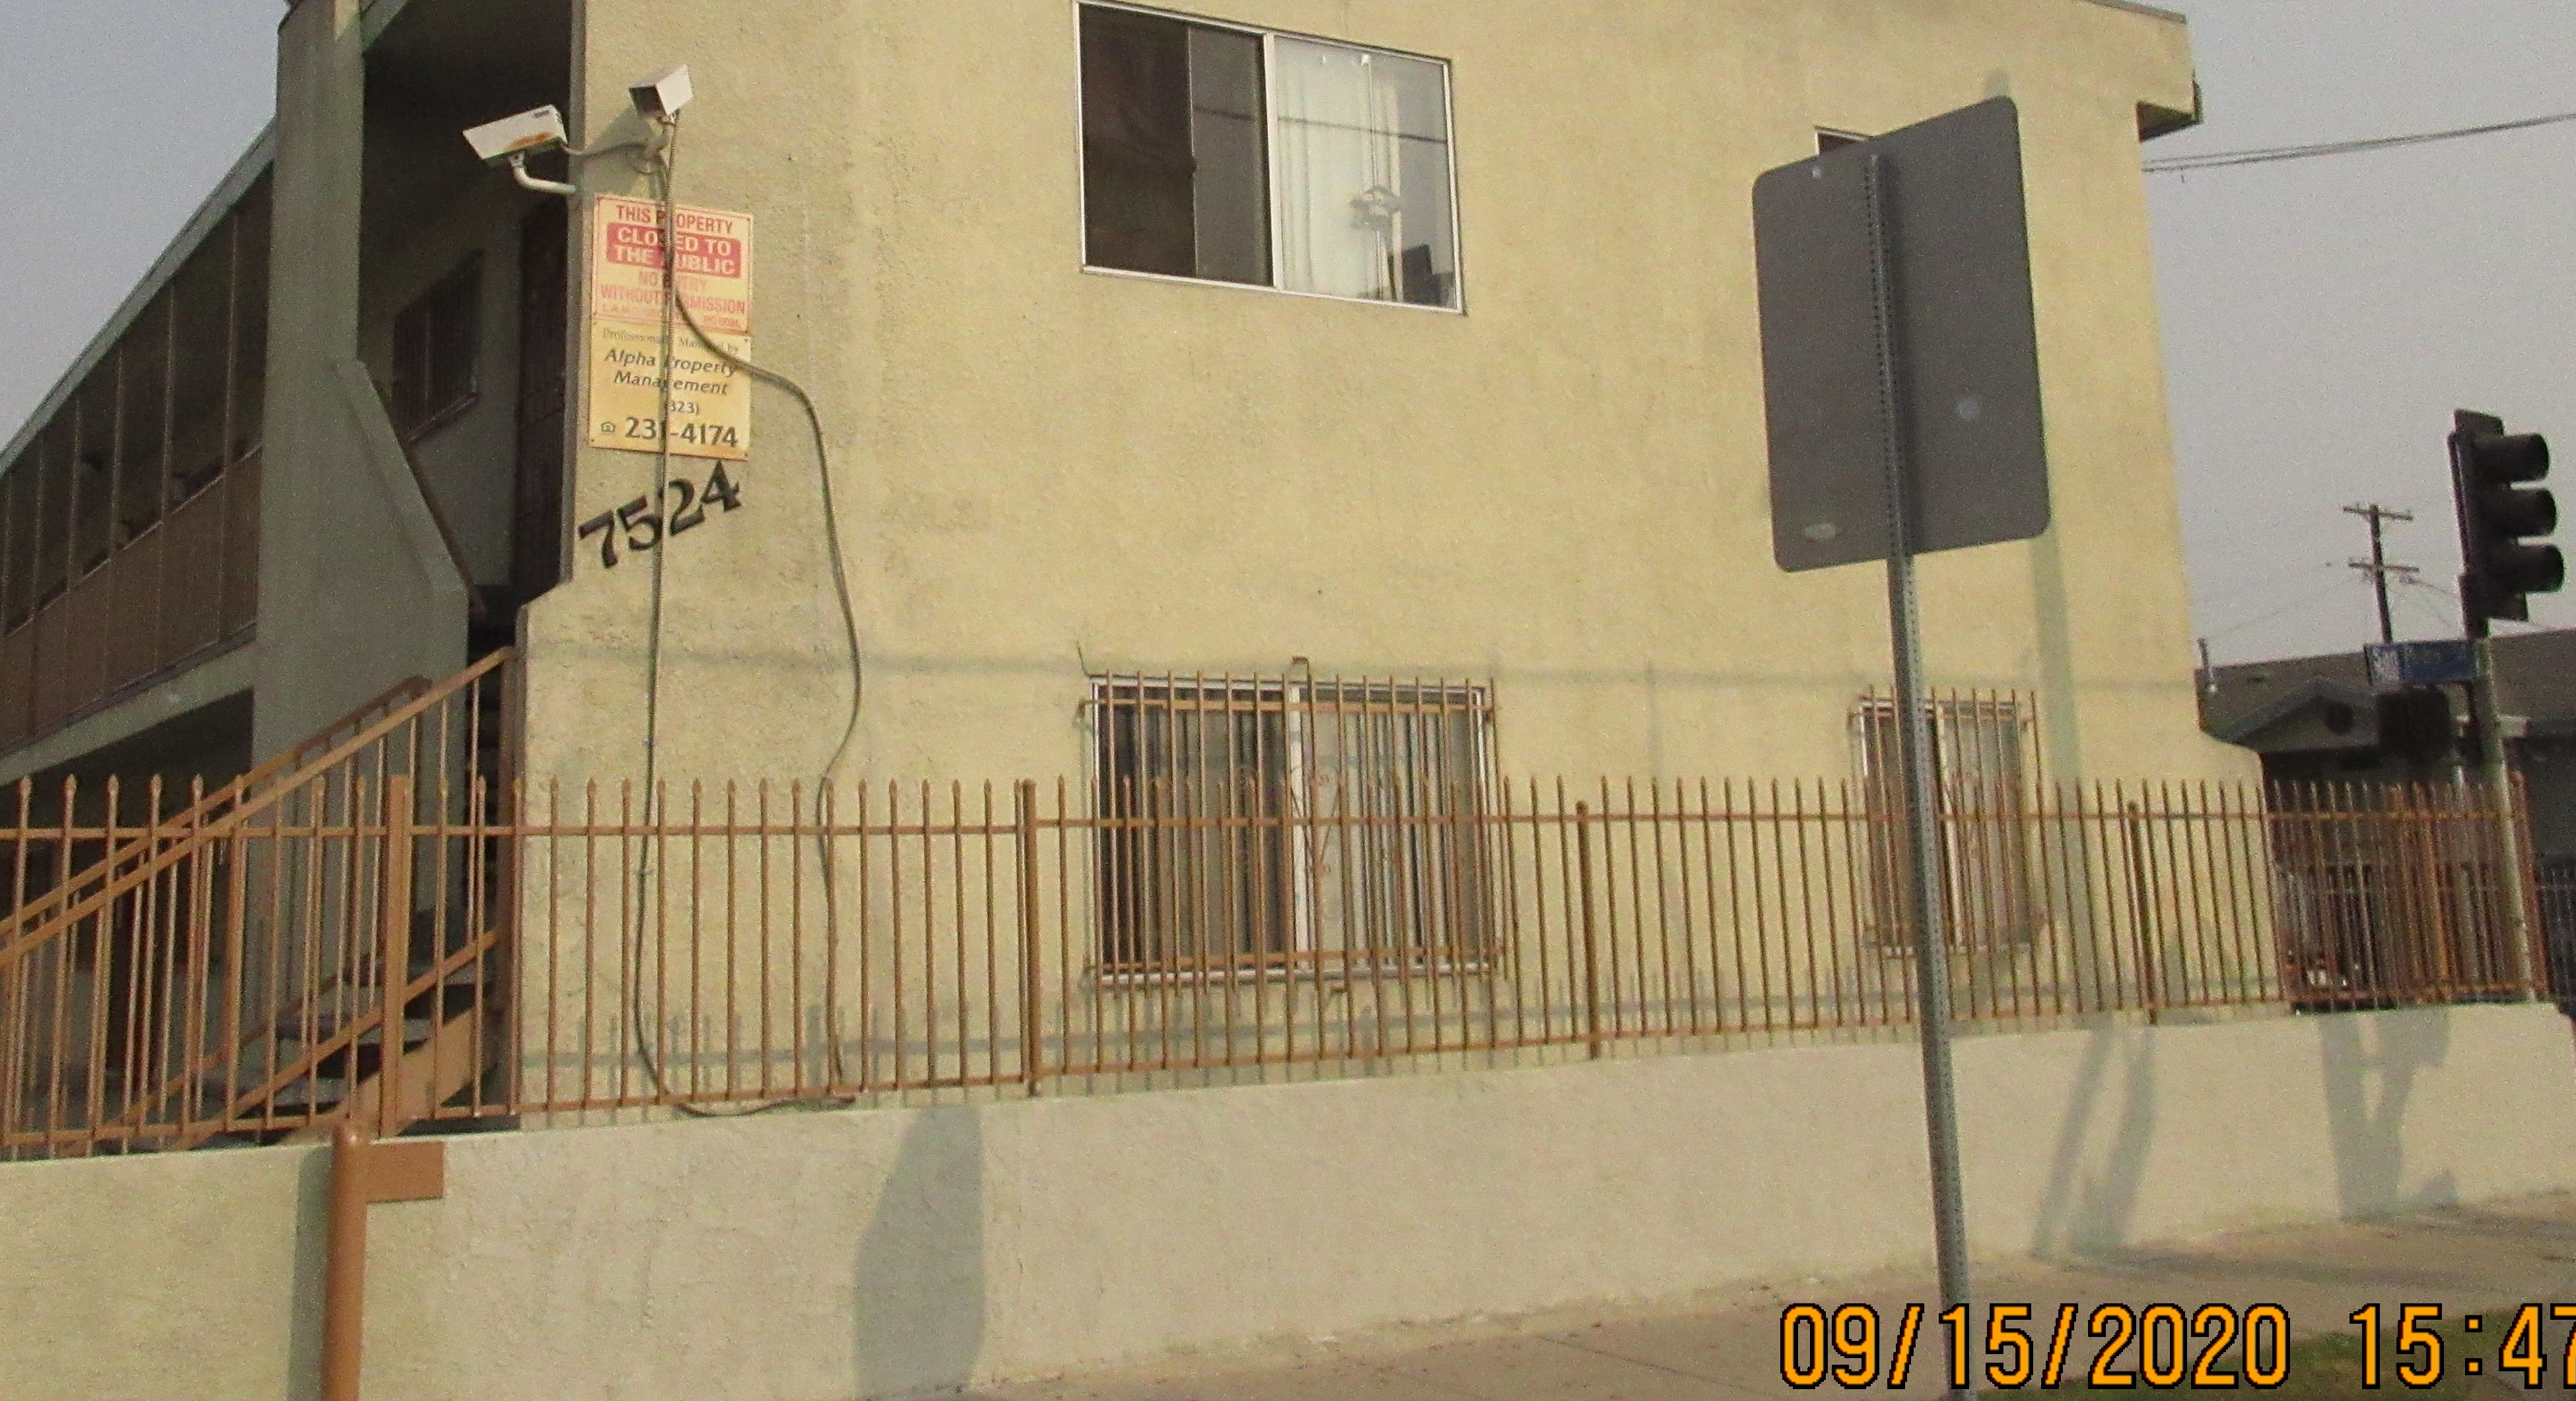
710	398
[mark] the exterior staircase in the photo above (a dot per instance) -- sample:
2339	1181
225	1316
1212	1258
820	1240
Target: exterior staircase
220	976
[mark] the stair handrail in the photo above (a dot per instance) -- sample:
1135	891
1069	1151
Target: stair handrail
17	941
191	818
344	1037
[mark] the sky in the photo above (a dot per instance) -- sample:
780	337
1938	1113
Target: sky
2322	319
123	116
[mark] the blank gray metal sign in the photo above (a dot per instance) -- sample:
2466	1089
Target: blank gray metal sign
1966	352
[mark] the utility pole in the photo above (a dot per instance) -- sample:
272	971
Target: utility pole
2378	567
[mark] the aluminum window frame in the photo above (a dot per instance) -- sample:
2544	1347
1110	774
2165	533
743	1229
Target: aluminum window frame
468	271
1270	170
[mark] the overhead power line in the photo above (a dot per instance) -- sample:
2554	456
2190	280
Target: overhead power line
2257	587
2300	601
2219	160
2429	586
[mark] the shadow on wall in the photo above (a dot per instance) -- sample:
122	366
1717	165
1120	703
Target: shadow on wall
2369	1134
312	1256
2088	1208
2060	720
919	1279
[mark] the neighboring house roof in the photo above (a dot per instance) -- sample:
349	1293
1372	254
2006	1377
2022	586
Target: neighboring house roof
2536	677
2253	703
2326	702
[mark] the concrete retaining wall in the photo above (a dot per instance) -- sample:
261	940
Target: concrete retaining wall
861	1254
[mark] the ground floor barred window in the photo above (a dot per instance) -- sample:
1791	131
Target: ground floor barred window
1983	773
1254	823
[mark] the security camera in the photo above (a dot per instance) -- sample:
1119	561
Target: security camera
514	139
541	129
662	98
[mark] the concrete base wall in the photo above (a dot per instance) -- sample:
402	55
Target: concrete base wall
862	1254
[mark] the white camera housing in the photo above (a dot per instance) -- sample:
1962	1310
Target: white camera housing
662	98
540	129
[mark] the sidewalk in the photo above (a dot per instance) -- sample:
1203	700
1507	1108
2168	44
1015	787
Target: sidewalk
1726	1348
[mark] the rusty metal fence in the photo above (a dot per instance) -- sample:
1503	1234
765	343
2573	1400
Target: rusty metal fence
2557	900
391	939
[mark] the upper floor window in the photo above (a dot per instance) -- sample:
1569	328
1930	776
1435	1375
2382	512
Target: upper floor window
435	344
1238	156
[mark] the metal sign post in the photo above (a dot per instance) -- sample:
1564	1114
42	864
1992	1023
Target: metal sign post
1900	364
2498	770
2504	521
1914	743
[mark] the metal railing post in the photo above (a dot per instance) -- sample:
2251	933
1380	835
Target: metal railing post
364	1173
2526	927
2142	911
396	953
1591	955
1032	1024
344	1270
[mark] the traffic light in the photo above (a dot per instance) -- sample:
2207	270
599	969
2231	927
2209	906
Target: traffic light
2500	517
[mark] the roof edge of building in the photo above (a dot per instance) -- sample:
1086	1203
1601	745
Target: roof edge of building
2313	689
2150	11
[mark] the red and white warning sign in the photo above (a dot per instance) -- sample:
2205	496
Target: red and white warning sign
701	401
627	263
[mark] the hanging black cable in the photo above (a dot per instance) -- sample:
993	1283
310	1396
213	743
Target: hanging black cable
2265	155
675	313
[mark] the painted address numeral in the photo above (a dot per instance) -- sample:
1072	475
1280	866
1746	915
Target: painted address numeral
645	528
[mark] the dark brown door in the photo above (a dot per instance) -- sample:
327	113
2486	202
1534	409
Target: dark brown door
536	528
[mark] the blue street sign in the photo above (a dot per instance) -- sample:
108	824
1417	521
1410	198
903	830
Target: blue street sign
2452	661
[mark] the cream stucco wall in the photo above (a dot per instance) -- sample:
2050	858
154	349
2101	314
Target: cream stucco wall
468	460
1042	471
184	1275
870	1253
357	591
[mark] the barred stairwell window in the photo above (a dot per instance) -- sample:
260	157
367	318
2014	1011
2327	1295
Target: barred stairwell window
1262	824
435	344
1981	770
1234	155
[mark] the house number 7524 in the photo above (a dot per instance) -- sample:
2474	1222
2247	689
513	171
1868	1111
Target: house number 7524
644	528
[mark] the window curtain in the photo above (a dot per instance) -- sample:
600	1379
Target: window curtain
1392	858
1340	202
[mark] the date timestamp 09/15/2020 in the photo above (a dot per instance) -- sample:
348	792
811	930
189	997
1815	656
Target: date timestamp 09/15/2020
2157	1347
